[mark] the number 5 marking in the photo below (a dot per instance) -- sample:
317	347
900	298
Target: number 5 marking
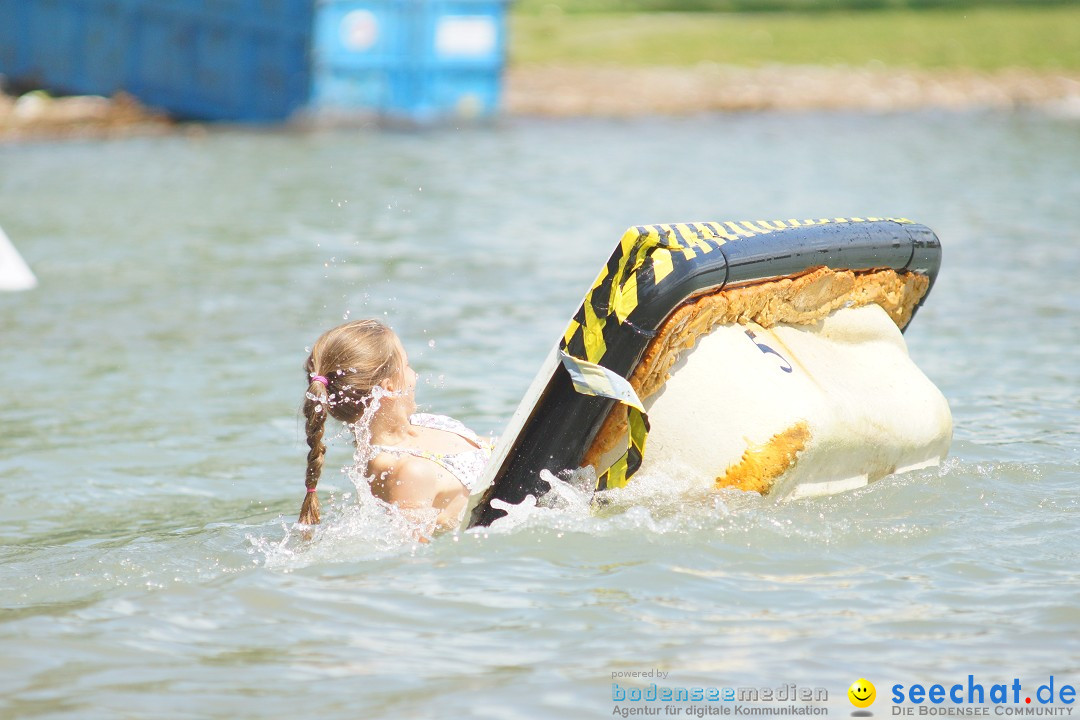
786	367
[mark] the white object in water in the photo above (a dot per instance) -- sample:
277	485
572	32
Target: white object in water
841	398
15	274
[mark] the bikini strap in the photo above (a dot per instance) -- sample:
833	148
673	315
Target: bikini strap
447	423
442	460
407	451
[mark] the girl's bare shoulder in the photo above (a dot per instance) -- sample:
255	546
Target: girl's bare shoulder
402	477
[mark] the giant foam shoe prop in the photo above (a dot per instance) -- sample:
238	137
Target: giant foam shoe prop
765	356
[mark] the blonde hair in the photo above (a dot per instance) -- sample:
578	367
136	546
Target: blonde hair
352	358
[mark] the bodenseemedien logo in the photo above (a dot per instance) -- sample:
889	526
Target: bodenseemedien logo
700	701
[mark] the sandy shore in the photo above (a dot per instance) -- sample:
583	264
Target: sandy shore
36	116
613	91
573	91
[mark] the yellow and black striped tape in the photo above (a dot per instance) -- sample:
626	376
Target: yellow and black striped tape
647	254
598	381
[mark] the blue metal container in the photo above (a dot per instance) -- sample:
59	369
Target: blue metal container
362	55
419	60
243	60
263	60
464	46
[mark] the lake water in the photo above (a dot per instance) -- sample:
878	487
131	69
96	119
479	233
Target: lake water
152	454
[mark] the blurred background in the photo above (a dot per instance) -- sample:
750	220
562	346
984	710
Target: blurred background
425	61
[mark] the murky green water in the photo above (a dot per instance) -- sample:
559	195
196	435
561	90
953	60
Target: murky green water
151	450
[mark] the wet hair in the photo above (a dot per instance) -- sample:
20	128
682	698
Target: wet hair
352	358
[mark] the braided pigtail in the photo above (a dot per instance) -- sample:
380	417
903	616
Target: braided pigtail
354	358
315	410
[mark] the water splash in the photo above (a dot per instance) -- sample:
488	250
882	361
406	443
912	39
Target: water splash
662	501
665	501
364	452
355	525
669	502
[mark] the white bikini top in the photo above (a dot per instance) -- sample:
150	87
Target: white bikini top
466	466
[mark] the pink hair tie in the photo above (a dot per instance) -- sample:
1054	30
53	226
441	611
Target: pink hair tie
311	489
320	379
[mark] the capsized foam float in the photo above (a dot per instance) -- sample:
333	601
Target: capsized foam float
765	356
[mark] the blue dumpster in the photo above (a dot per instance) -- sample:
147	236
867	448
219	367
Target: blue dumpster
415	59
263	60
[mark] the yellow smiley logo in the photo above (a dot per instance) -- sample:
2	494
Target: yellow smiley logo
862	693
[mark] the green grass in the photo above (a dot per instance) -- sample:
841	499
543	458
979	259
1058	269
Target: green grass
633	6
984	38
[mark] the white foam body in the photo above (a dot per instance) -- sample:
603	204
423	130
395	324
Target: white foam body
869	409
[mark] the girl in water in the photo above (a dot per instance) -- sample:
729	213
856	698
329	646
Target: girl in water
359	373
